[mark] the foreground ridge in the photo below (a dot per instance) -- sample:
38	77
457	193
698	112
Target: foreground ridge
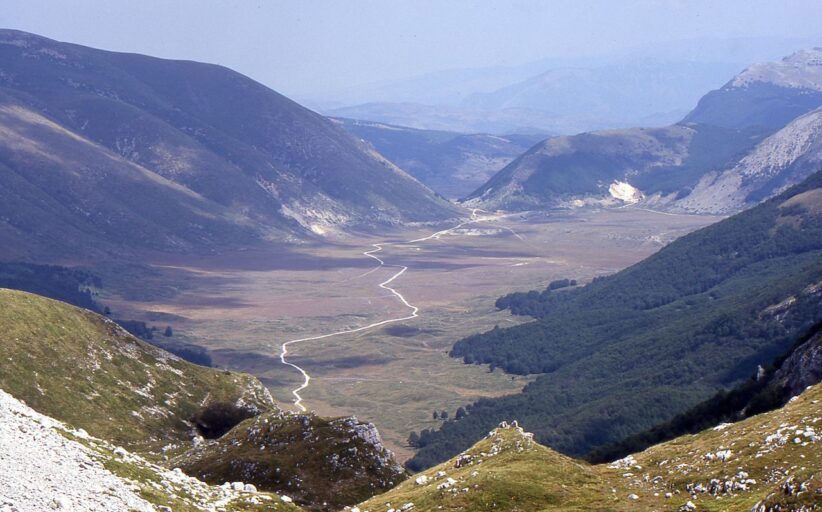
765	463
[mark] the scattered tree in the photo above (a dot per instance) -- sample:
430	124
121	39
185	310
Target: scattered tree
413	439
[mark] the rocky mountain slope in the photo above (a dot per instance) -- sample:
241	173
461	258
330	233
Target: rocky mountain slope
718	159
122	151
633	349
768	462
48	465
452	164
781	160
84	370
767	94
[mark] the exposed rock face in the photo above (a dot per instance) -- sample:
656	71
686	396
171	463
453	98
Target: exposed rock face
803	368
800	70
367	432
321	464
778	162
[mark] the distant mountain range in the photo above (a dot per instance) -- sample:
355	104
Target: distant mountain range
644	86
453	164
106	151
733	150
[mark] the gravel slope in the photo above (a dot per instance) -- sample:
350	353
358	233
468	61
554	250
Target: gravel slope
43	470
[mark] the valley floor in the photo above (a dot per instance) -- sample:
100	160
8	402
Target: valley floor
244	306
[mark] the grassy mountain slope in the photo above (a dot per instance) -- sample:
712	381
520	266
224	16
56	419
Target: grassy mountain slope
63	193
84	369
631	350
451	163
772	459
132	144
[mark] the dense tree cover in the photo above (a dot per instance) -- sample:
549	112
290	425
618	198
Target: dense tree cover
561	283
188	351
631	350
137	328
757	395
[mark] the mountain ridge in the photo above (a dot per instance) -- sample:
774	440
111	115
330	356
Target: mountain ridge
696	165
225	161
765	463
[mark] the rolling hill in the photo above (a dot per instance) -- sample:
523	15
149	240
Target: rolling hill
717	160
630	350
111	152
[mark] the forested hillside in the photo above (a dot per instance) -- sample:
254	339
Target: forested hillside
771	387
630	350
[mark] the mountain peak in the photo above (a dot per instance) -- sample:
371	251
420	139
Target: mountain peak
800	70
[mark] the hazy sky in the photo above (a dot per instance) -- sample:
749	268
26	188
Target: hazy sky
301	47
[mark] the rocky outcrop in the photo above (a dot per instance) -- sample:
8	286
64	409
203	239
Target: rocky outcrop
803	367
46	465
321	464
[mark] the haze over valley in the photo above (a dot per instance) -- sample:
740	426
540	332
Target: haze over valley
284	257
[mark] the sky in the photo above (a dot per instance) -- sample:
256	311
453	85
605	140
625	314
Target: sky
305	47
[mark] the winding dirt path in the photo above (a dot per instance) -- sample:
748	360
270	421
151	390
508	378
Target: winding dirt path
414	310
